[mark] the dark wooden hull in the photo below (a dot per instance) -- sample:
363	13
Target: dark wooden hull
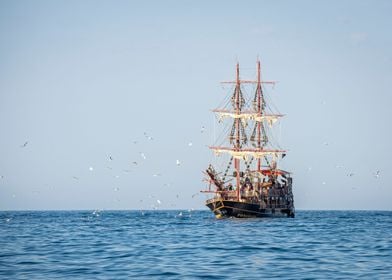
238	209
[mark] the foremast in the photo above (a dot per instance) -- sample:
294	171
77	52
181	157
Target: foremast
238	138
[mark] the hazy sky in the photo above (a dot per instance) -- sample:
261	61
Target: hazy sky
81	81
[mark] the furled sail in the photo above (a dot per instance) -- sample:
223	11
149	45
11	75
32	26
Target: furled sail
245	153
248	115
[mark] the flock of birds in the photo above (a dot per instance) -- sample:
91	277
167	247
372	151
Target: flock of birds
158	202
143	156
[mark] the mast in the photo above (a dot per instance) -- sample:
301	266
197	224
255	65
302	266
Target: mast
259	112
237	124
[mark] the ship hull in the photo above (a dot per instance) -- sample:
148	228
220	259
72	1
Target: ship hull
238	209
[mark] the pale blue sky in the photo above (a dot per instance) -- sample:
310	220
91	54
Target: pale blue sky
82	80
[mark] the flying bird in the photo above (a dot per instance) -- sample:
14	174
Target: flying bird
147	136
25	144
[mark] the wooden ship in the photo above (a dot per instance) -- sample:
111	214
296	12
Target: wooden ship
251	185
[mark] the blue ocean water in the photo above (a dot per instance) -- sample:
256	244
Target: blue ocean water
194	245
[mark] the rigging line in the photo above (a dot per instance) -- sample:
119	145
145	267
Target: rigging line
223	135
270	102
214	132
227	168
280	133
226	98
248	100
272	137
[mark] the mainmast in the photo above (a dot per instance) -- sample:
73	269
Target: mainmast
237	125
259	112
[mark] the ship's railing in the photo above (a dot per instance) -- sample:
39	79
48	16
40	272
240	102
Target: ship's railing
264	201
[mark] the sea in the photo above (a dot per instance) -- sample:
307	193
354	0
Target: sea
194	245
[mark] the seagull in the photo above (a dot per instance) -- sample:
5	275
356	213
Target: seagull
158	201
135	163
376	174
178	162
110	158
25	144
2	177
91	168
76	178
147	136
195	195
202	129
350	174
143	155
156	175
116	189
190	144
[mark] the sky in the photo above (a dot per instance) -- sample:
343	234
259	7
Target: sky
102	103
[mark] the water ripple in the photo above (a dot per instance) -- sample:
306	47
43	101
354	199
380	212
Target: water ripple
161	245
